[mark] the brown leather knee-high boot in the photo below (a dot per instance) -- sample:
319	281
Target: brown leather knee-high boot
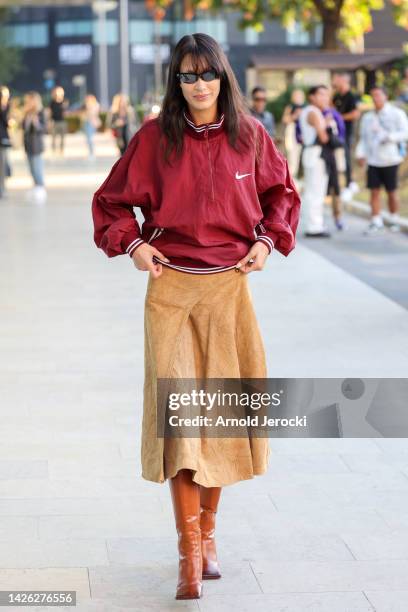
209	498
186	504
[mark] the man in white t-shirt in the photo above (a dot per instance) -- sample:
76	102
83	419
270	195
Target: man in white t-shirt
383	133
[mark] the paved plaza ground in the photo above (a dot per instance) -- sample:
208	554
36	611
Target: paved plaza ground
325	530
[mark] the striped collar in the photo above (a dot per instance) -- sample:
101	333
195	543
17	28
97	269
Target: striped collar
200	131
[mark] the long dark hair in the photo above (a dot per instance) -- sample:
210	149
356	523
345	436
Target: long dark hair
205	52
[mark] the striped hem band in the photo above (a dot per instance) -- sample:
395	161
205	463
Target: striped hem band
267	240
132	246
196	270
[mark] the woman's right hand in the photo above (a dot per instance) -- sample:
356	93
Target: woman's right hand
143	259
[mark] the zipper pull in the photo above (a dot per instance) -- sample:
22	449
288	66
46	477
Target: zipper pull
263	230
206	132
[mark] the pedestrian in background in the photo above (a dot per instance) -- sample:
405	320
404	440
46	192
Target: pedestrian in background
316	178
91	122
258	110
346	102
122	121
383	132
57	109
34	127
5	141
333	153
290	119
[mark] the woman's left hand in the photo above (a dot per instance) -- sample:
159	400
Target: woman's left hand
258	253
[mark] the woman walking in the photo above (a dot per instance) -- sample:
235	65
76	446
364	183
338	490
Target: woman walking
122	120
34	127
216	197
91	122
5	141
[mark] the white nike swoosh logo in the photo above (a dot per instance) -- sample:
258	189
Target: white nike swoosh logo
240	176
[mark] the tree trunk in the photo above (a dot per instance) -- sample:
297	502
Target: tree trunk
330	26
331	19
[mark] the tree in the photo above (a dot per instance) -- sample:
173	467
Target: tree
343	21
10	57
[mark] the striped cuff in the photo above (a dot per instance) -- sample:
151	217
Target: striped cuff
268	241
133	246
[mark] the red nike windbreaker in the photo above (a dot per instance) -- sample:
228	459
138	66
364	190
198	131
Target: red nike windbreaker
204	211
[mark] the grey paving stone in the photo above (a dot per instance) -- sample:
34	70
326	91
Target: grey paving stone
330	576
23	526
289	602
103	525
132	581
23	469
46	578
129	504
282	547
22	552
388	601
148	549
378	546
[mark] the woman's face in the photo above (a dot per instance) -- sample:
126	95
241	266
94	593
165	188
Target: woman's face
298	97
201	95
29	103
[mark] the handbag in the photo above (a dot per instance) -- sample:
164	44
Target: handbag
334	140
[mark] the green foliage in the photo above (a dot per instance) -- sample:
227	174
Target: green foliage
10	63
392	79
10	57
344	20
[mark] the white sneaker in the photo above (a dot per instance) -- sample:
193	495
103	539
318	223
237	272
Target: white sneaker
353	187
394	227
374	228
346	195
39	194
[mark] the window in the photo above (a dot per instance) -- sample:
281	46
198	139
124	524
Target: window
112	32
73	28
33	35
141	31
296	34
217	28
70	29
251	36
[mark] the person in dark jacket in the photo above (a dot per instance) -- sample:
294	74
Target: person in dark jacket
217	198
34	127
5	142
258	110
122	120
57	108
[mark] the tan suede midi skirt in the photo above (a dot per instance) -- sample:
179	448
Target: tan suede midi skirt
200	326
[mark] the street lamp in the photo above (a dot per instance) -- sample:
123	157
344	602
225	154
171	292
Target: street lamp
124	45
101	7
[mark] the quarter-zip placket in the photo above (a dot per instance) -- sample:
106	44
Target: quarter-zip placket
209	161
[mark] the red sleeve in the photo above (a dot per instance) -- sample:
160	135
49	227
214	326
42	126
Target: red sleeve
278	197
116	230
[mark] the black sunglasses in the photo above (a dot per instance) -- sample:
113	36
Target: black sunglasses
192	77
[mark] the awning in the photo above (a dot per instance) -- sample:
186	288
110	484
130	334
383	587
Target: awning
328	60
